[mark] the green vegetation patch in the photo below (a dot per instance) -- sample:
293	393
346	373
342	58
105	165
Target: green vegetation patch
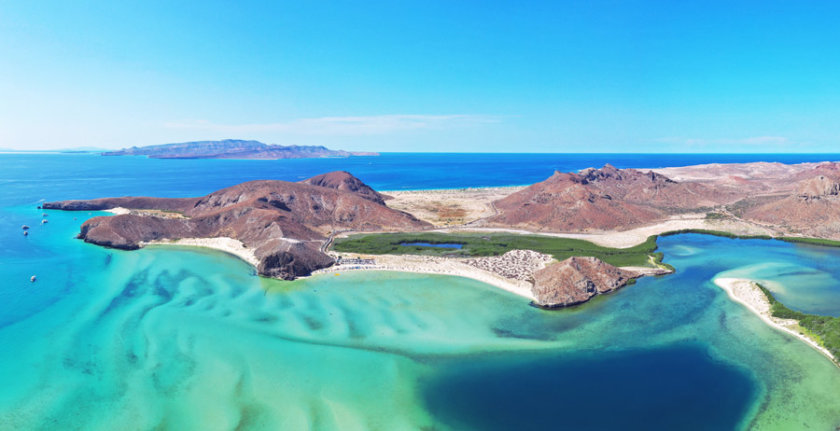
494	244
826	329
716	216
813	241
656	260
716	233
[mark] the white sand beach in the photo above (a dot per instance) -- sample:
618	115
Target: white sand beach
118	211
512	271
429	265
227	245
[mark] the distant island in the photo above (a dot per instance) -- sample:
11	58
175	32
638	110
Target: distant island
233	149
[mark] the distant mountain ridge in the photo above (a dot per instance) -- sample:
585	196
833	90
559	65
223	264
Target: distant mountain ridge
233	149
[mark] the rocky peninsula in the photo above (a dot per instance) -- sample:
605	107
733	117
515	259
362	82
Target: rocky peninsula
284	224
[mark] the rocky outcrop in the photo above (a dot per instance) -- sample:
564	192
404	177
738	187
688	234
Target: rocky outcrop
289	259
576	280
819	187
129	231
284	223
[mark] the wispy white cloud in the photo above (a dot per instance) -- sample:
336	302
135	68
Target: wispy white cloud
341	126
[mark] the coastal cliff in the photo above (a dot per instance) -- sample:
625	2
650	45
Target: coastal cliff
285	224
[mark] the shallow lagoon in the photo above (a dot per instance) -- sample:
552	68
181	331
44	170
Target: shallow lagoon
189	339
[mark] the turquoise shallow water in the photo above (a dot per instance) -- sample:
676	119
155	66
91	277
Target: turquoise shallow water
173	338
176	338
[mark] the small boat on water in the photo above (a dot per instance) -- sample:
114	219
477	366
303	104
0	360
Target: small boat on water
44	221
24	227
26	233
32	279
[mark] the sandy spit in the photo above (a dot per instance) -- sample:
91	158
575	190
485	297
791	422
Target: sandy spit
433	265
747	293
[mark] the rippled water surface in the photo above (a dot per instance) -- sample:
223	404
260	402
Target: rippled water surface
178	338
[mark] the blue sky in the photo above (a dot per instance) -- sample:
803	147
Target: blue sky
595	76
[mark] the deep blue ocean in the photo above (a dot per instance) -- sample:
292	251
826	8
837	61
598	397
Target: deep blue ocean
176	338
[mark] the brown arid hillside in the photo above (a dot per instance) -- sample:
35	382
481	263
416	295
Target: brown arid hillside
284	223
812	209
603	199
801	199
750	178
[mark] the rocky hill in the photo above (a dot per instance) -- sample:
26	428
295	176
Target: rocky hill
284	223
602	199
800	199
232	149
576	280
344	181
